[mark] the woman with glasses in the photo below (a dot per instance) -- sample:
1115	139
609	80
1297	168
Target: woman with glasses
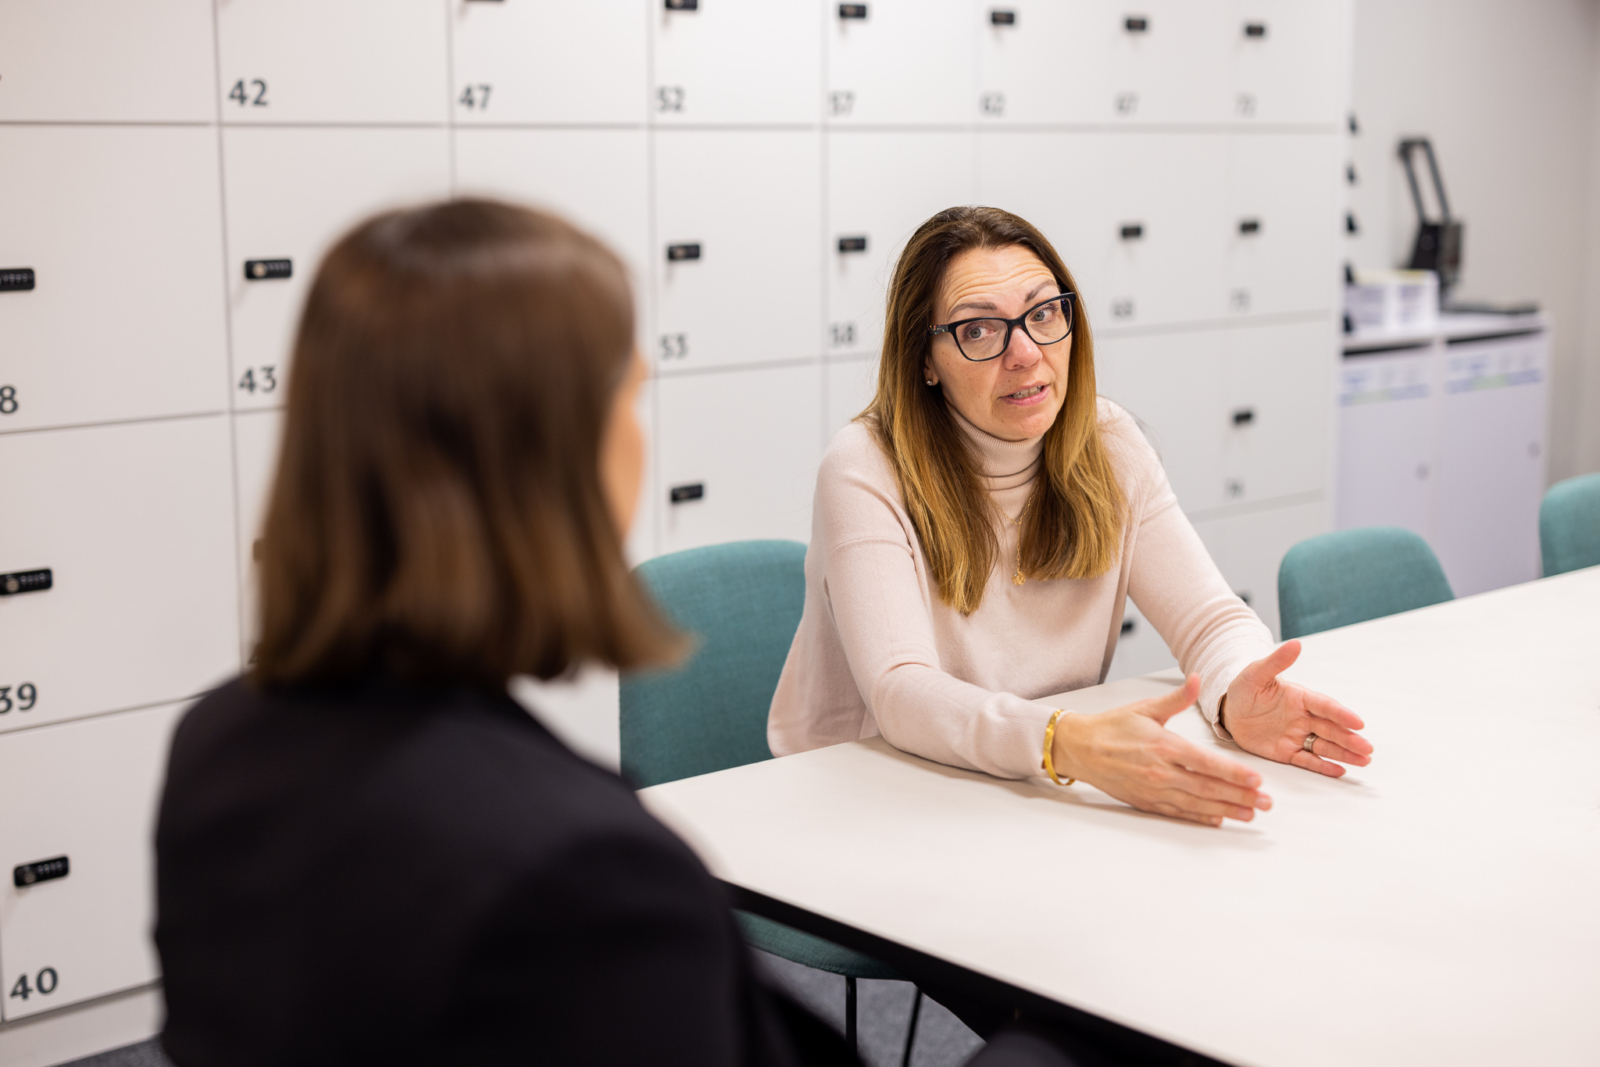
975	533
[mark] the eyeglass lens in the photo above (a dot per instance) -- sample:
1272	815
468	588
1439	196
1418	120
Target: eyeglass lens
1045	323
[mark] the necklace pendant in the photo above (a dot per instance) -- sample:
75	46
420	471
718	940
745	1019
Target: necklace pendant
1017	578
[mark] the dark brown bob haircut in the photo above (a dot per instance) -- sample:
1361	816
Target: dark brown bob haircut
438	512
1073	523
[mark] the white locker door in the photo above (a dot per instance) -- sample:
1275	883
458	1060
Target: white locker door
1386	428
255	460
1033	67
1166	60
549	62
290	194
373	61
738	457
1140	650
1249	548
737	63
106	61
1288	61
86	793
902	62
881	187
850	385
135	524
1285	223
1173	384
1491	462
122	316
1165	235
598	179
1059	182
1279	408
738	271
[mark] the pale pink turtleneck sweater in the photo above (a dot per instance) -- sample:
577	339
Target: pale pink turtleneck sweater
878	651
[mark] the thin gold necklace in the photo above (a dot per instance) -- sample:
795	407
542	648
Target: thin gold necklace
1017	578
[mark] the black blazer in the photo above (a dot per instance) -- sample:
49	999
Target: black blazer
389	874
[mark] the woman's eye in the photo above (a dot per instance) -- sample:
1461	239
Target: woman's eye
1044	314
975	331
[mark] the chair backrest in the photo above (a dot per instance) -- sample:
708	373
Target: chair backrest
741	603
1350	576
1569	525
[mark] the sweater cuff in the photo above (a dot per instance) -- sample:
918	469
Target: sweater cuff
1214	687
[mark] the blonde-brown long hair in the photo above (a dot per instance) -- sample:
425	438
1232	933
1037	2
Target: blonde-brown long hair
1073	523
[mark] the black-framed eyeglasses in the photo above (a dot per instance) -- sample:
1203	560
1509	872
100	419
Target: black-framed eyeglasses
980	340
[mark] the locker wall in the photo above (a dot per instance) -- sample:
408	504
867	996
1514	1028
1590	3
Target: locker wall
184	170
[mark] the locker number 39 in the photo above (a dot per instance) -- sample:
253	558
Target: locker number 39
44	983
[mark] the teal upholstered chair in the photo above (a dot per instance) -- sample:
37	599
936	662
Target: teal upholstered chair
1569	525
1350	576
742	603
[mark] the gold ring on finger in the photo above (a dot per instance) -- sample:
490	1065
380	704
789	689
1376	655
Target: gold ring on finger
1310	740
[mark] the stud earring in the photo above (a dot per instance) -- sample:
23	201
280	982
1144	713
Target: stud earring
931	382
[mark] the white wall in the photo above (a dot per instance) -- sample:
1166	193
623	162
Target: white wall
1510	95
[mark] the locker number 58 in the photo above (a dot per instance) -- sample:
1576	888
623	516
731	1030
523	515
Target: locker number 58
44	983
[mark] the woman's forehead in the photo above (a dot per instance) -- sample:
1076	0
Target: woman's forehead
984	275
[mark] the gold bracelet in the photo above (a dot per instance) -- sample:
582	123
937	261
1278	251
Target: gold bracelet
1049	743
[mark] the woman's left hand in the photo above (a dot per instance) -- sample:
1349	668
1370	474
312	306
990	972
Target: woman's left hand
1271	717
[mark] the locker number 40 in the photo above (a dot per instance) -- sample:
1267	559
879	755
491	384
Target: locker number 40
44	983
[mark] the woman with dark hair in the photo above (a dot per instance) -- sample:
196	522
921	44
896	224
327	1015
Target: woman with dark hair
366	852
976	532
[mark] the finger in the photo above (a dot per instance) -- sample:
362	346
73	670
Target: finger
1326	749
1188	755
1325	707
1210	811
1209	788
1273	664
1306	761
1341	737
1167	705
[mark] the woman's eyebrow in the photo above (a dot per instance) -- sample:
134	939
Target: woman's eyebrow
984	305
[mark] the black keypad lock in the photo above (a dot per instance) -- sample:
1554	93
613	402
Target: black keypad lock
1249	226
683	5
26	874
683	493
34	581
852	244
852	11
1132	231
16	279
1001	17
1136	24
680	253
262	270
1255	29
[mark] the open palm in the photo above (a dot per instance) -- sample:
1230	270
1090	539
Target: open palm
1273	718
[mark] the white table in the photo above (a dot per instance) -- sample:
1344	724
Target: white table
1440	906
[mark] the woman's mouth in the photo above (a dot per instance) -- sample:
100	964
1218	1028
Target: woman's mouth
1031	395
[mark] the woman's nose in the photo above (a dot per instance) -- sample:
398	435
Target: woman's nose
1021	353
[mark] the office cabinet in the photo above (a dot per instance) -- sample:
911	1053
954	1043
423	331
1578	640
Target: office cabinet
1165	61
1174	386
1492	440
1162	239
106	61
902	62
737	63
549	62
849	386
598	179
1386	432
134	523
80	802
122	314
290	194
1287	61
738	454
256	435
738	271
1034	68
1140	649
1248	548
347	61
881	187
1278	409
1283	223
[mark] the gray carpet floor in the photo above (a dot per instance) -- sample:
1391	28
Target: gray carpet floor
882	1012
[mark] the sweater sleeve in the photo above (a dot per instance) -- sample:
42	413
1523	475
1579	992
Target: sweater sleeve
879	601
1175	583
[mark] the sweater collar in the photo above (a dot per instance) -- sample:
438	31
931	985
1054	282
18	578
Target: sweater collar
1003	464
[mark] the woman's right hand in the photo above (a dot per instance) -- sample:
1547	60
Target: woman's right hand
1129	753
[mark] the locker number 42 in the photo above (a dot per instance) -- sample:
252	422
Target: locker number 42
44	983
249	93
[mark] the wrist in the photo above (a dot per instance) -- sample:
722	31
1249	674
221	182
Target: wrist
1065	746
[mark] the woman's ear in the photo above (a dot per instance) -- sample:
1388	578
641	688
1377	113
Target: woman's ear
928	376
